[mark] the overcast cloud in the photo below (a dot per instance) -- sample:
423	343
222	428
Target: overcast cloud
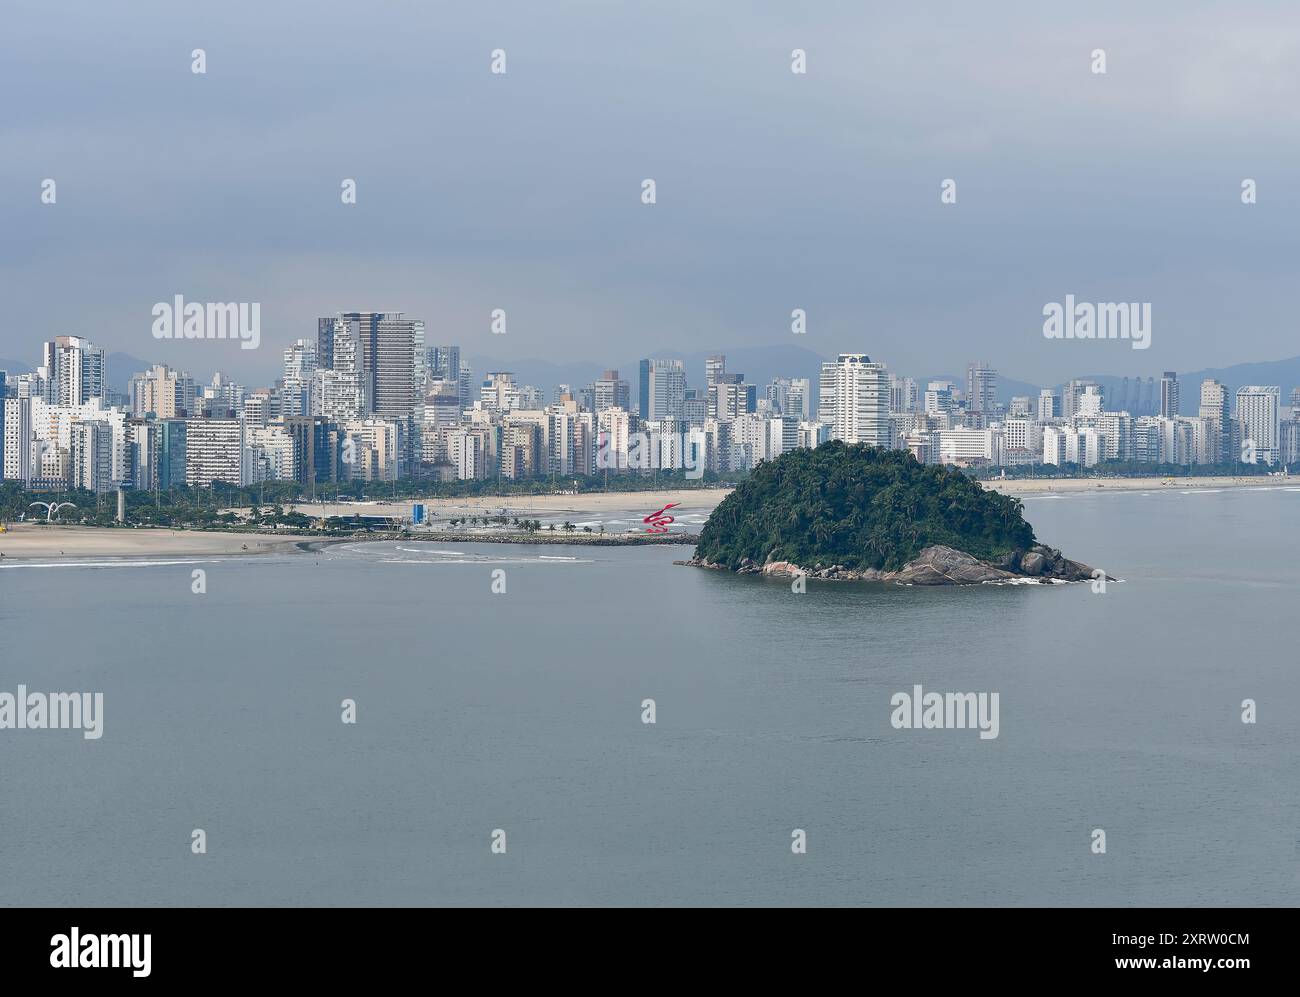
775	191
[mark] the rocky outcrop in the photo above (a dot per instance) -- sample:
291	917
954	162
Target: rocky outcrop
937	565
946	566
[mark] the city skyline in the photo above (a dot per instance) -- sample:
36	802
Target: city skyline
368	398
553	372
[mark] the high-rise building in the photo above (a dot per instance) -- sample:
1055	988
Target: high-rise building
92	455
75	369
171	453
271	453
142	450
855	400
222	396
338	391
1258	415
325	333
373	448
663	389
466	387
981	388
1215	409
162	392
733	397
260	406
1168	394
903	394
17	439
389	357
800	398
940	399
778	395
444	363
1049	406
608	391
214	451
695	407
714	369
317	444
1074	390
299	368
498	393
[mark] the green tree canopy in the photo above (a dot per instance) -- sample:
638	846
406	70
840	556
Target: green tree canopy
860	507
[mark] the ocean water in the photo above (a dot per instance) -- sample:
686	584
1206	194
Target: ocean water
521	711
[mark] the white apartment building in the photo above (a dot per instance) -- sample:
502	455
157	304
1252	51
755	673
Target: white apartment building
855	398
271	454
498	392
468	450
1084	445
970	446
299	368
75	370
1259	414
813	434
782	435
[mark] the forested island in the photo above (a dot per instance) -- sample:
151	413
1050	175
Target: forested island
857	512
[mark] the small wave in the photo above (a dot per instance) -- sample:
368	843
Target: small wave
111	564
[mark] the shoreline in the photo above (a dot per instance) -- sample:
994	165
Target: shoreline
26	542
686	500
29	541
1039	486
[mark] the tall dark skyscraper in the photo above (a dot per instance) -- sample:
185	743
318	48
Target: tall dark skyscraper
1169	394
325	343
444	362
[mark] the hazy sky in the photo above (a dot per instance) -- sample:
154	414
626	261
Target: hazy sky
775	191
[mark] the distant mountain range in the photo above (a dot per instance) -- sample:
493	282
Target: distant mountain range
760	364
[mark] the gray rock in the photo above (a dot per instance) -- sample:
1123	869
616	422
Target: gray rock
941	565
1032	563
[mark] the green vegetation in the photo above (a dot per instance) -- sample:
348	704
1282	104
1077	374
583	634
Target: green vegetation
860	507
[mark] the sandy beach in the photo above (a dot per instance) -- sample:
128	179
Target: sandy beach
27	541
699	500
1060	486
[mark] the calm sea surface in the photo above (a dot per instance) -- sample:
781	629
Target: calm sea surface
522	711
